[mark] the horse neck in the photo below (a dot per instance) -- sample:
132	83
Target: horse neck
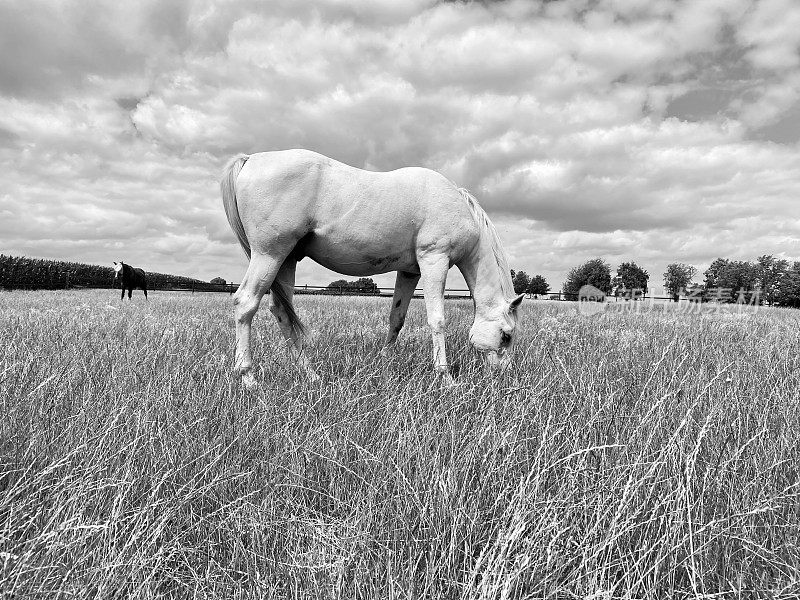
484	276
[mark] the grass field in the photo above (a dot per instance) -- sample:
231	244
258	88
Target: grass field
626	455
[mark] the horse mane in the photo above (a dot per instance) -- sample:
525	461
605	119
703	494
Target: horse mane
488	229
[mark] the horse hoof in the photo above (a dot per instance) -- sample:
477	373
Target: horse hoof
446	379
249	382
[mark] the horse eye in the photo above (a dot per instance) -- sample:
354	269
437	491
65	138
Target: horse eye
505	338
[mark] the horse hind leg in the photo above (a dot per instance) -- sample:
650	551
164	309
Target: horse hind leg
281	308
403	292
260	274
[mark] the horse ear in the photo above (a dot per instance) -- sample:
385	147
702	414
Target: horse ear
515	303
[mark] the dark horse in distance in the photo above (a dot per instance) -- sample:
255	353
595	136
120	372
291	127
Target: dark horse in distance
131	278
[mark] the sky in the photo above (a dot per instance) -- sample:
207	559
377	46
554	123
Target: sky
649	130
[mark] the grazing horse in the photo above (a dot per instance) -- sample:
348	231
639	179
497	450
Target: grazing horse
286	205
130	278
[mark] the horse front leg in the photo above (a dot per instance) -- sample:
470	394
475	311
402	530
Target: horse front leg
259	277
291	330
403	292
433	270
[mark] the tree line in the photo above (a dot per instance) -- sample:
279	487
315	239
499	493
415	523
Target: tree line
40	273
767	280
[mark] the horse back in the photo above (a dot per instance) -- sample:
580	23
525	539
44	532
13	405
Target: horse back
300	193
133	277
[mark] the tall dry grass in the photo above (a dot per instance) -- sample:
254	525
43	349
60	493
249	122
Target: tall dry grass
625	456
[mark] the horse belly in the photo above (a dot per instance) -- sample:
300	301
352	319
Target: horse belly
361	255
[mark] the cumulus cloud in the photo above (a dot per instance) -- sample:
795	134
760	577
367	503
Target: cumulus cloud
647	130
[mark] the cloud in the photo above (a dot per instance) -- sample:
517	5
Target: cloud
771	32
645	130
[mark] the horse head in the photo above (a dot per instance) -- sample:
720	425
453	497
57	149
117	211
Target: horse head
118	269
492	332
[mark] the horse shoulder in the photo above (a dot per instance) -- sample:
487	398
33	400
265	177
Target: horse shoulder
446	223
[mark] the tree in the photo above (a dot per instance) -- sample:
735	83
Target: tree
218	281
538	285
678	277
787	291
631	276
714	271
339	284
521	281
769	273
726	278
595	272
363	285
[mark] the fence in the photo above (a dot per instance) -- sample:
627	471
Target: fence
319	290
230	288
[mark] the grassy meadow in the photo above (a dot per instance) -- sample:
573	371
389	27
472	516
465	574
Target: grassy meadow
626	455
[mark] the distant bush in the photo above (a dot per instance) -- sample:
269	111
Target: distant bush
363	285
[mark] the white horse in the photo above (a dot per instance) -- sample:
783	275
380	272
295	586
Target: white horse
286	205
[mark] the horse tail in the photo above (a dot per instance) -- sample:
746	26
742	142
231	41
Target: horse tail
282	299
228	188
